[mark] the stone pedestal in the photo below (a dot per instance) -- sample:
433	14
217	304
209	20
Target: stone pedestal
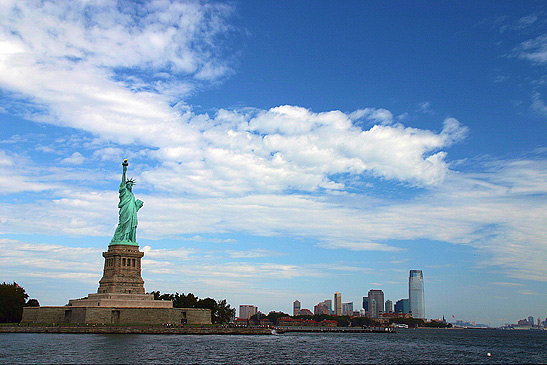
121	298
122	270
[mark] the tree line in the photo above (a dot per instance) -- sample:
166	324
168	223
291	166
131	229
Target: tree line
12	300
221	312
347	321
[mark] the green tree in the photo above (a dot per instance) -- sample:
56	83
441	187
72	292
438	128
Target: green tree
186	301
12	300
224	312
221	312
32	303
274	316
438	324
364	322
411	322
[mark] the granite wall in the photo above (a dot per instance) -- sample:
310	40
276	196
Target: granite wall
112	315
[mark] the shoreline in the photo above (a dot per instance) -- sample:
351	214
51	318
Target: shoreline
98	329
149	330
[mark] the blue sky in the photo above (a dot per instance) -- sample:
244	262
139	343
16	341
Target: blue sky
284	150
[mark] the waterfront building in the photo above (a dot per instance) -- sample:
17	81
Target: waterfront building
365	304
387	317
337	304
347	309
402	306
246	311
388	307
296	308
305	312
328	305
416	293
320	309
288	321
378	297
372	306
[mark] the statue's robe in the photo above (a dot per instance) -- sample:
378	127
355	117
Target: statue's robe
126	232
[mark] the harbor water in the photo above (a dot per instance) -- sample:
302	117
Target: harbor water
407	346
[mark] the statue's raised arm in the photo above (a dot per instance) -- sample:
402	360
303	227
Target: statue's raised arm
126	231
124	164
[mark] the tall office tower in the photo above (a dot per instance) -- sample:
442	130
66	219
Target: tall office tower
378	297
416	293
402	306
365	304
373	308
296	308
347	309
320	309
328	304
389	306
337	304
247	311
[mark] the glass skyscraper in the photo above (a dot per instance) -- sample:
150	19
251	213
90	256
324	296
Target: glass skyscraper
377	297
416	293
337	304
401	306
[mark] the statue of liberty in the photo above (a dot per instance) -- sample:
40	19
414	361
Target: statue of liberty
126	231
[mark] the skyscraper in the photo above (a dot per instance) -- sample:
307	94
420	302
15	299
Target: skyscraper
296	308
337	304
378	297
328	304
347	309
416	293
247	311
388	307
402	306
320	309
372	308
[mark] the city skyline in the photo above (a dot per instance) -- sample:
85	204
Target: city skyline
283	149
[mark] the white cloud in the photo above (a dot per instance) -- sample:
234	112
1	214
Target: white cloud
71	63
75	159
526	21
534	50
495	211
425	108
538	104
251	254
179	253
293	148
229	172
52	261
507	284
381	116
528	292
17	176
109	154
78	83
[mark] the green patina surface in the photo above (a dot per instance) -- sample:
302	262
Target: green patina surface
126	231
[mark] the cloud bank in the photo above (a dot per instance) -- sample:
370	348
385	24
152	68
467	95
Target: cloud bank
118	74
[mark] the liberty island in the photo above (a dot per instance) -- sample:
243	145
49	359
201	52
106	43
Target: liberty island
121	298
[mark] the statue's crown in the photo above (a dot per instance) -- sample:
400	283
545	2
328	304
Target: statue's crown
132	181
